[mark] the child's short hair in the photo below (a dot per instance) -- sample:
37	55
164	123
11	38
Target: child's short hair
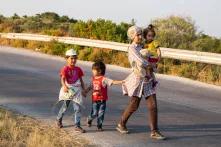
99	66
150	28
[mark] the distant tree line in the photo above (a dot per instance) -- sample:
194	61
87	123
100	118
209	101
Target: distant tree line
173	31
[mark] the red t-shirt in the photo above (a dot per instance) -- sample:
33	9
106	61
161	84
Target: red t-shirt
99	90
71	74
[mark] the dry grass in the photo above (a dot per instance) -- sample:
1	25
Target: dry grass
21	131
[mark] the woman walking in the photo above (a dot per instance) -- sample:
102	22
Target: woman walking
138	85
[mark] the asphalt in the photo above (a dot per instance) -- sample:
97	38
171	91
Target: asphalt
189	111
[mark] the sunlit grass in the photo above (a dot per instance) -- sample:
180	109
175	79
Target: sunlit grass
21	131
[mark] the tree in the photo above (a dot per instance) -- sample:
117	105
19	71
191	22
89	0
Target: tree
100	29
2	18
207	44
15	16
49	17
78	29
175	31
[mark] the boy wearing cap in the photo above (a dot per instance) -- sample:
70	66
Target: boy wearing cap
71	90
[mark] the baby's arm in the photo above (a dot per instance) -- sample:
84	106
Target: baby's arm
159	54
145	53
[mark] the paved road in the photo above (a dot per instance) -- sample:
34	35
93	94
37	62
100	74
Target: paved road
189	111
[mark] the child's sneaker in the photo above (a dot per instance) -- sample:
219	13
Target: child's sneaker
59	124
157	135
89	122
122	129
79	129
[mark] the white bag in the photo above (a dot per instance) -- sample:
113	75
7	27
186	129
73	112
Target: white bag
74	93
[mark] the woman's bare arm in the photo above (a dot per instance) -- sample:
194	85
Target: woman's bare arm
159	53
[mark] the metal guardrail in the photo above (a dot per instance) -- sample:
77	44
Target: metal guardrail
204	57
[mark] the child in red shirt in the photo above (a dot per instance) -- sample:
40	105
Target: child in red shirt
99	93
71	90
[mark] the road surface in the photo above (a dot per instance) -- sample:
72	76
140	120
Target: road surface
189	111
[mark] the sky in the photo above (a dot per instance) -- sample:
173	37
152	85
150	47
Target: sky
205	13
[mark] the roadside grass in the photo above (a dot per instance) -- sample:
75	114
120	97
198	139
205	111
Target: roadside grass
21	131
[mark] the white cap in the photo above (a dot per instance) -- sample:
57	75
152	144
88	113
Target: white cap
71	52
